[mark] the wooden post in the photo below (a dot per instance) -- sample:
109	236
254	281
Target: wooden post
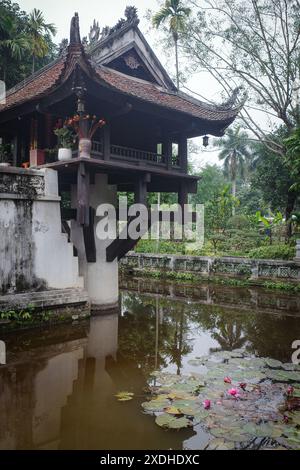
183	153
83	184
182	196
140	191
167	151
106	142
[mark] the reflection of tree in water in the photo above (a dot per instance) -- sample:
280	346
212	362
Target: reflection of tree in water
176	345
273	335
228	328
230	337
138	328
263	334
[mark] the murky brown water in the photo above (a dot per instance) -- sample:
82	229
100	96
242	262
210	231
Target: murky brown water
57	388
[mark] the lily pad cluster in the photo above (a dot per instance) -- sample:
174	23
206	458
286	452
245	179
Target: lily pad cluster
241	402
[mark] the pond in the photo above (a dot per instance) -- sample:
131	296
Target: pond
171	343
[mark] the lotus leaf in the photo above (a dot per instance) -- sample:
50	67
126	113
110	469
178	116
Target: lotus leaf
124	396
155	405
169	421
273	363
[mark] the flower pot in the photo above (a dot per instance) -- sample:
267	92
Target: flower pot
64	154
85	147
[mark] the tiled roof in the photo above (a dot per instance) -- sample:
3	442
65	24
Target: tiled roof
45	80
35	86
154	94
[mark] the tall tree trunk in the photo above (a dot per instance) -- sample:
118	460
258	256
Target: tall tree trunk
233	192
177	61
291	200
33	63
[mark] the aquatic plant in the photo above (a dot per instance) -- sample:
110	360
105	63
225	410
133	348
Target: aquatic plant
261	410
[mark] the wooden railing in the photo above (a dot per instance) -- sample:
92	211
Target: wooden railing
125	153
97	148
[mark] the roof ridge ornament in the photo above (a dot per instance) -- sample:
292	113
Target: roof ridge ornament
75	31
236	100
131	14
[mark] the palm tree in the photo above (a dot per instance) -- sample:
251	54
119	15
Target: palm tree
235	153
13	44
37	29
174	12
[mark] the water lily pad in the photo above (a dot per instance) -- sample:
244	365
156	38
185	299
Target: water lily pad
220	444
155	405
172	410
164	420
124	396
262	430
180	423
295	417
218	432
200	416
238	437
273	363
169	421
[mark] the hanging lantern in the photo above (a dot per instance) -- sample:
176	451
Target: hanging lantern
205	141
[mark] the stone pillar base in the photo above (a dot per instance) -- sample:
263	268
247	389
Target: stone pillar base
101	309
100	277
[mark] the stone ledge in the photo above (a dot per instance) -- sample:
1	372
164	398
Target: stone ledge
45	299
205	266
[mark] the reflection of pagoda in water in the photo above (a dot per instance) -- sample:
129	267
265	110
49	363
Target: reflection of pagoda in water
38	384
59	393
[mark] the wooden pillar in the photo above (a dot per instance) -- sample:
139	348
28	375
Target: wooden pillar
183	153
167	151
106	142
83	188
48	131
182	196
140	190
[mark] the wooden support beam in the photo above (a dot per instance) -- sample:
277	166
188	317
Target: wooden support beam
83	186
106	142
140	189
183	196
89	238
183	153
167	150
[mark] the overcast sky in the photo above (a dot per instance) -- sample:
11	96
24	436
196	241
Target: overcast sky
107	12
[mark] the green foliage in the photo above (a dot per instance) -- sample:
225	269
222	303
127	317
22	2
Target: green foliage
293	156
37	29
18	43
19	317
175	13
5	153
219	210
163	247
234	153
212	179
286	252
272	177
65	137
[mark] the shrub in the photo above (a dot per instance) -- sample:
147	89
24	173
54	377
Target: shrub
273	252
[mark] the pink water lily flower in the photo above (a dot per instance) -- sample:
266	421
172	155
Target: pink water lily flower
227	380
290	390
207	404
243	385
233	392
